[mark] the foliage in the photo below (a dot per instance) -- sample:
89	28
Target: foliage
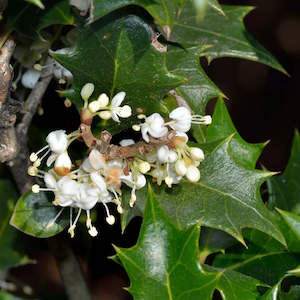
152	50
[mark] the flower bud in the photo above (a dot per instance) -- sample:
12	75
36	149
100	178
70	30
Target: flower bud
197	154
105	115
87	91
144	167
193	174
103	100
180	168
94	106
62	164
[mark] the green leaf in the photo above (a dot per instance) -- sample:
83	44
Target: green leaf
12	252
226	35
164	264
284	190
265	258
32	214
29	20
222	126
226	197
290	227
116	55
7	296
198	88
38	3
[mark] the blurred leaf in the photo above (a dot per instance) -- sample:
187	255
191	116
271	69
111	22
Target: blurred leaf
265	258
32	214
226	35
245	153
12	252
226	197
164	264
38	3
284	190
29	20
127	62
7	296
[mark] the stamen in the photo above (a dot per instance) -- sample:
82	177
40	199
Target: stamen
72	228
41	150
51	223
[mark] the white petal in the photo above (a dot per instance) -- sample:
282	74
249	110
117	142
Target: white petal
125	111
144	130
115	116
62	164
50	181
172	156
86	165
97	159
127	142
163	153
118	99
51	159
58	141
99	181
180	113
140	181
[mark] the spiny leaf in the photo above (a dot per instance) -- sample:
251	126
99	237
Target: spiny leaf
226	197
226	34
34	212
116	55
265	258
284	190
222	126
164	264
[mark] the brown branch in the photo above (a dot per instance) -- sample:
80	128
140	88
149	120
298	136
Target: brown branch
113	151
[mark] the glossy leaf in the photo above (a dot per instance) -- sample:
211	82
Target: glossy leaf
284	189
29	20
265	258
164	264
222	126
33	213
116	55
226	35
226	197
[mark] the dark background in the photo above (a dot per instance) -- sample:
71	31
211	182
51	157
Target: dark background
264	105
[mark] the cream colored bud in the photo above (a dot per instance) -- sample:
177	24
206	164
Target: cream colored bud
125	111
169	181
136	127
35	188
105	115
110	220
94	106
87	91
197	154
193	174
93	231
144	167
33	157
103	100
32	171
180	167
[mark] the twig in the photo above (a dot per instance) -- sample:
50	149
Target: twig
113	151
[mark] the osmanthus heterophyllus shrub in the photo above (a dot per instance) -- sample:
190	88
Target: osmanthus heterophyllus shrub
132	71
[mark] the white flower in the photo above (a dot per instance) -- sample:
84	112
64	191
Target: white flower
87	90
165	155
155	126
30	78
116	110
103	195
182	119
57	141
196	153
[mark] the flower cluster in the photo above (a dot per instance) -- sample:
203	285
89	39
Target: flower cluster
99	178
